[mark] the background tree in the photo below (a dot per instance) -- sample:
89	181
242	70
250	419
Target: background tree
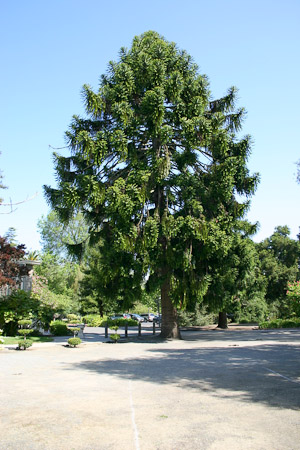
11	236
154	168
57	236
62	283
236	278
279	256
10	270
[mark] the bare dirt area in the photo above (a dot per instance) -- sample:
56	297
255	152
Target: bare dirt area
234	389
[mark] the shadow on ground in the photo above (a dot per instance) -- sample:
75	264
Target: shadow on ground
267	374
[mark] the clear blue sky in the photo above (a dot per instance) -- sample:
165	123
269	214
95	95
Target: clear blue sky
49	49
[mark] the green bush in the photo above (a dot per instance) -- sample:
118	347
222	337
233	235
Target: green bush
114	337
73	318
199	317
280	323
74	341
94	320
24	322
59	328
24	344
25	332
74	330
120	323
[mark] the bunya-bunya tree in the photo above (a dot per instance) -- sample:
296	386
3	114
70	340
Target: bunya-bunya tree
155	167
90	287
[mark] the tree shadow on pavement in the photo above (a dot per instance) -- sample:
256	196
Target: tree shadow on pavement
267	374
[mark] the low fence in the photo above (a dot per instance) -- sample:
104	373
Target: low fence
154	328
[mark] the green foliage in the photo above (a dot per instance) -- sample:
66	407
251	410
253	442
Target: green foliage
56	284
16	306
74	341
199	317
9	340
55	236
154	169
59	328
74	330
94	320
92	296
293	298
114	337
25	332
25	322
120	323
237	285
253	309
24	344
114	327
279	256
280	323
73	318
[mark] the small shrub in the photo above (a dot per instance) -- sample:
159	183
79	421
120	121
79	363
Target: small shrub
74	330
74	341
73	318
114	327
25	332
24	322
24	344
59	328
115	337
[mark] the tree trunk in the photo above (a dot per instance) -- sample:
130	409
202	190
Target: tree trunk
169	325
222	323
100	306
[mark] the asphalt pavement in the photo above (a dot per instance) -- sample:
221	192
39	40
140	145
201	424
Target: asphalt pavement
235	389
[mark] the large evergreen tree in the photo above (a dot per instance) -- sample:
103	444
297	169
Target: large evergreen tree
154	168
280	256
236	279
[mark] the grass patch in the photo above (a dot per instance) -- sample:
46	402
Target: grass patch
11	340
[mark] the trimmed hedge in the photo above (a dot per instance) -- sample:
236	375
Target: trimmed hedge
280	323
59	328
94	320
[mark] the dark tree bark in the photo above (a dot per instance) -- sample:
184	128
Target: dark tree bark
169	326
222	323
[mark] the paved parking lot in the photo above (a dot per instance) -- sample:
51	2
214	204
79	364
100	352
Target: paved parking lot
228	389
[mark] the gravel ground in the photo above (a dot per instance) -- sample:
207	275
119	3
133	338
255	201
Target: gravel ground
235	389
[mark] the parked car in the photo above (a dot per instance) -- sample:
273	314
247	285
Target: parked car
153	318
145	317
137	317
126	316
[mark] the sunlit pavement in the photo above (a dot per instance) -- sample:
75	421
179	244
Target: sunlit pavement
229	389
